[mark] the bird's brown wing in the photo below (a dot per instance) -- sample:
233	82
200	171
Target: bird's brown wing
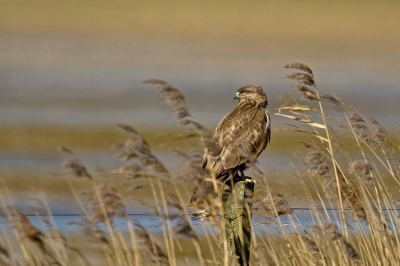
239	138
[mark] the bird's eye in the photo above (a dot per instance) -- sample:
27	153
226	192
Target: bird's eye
247	92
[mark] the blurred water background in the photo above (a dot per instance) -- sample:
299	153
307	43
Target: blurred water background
71	70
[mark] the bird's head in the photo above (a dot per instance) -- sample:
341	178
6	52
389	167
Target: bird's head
253	95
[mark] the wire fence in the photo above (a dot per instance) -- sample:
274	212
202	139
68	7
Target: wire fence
152	214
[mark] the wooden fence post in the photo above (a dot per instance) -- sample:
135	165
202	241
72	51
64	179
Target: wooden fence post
237	219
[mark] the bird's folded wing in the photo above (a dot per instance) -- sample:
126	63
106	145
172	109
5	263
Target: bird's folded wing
237	138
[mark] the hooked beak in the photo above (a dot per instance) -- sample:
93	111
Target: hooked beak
237	97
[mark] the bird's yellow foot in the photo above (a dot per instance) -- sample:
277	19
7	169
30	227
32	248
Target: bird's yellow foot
249	180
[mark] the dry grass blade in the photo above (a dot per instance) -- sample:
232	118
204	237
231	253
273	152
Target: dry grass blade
363	170
74	164
311	123
307	146
76	167
192	169
379	132
153	165
320	165
133	170
29	230
312	253
368	130
110	200
182	154
137	148
181	112
196	125
329	232
183	228
91	231
361	167
132	148
353	115
307	93
3	251
349	250
173	97
287	100
127	128
158	82
65	150
180	106
264	257
272	204
188	135
302	78
297	108
349	193
337	103
299	66
301	130
151	247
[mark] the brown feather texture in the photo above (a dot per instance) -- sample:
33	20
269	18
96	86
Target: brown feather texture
237	141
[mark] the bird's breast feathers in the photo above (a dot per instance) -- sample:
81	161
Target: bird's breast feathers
239	139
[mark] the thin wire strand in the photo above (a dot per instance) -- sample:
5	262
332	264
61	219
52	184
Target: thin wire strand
150	214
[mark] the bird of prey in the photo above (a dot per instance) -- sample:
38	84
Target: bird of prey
238	140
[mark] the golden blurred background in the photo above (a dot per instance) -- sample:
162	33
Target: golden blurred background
71	70
330	34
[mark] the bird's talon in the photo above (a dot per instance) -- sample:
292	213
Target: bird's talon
249	180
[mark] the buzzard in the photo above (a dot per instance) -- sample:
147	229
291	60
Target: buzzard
238	140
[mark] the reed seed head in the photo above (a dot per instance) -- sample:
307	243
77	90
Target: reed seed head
76	167
300	66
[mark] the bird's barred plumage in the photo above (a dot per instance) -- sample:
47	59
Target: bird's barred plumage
238	140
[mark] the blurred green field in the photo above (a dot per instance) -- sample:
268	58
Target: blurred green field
46	139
